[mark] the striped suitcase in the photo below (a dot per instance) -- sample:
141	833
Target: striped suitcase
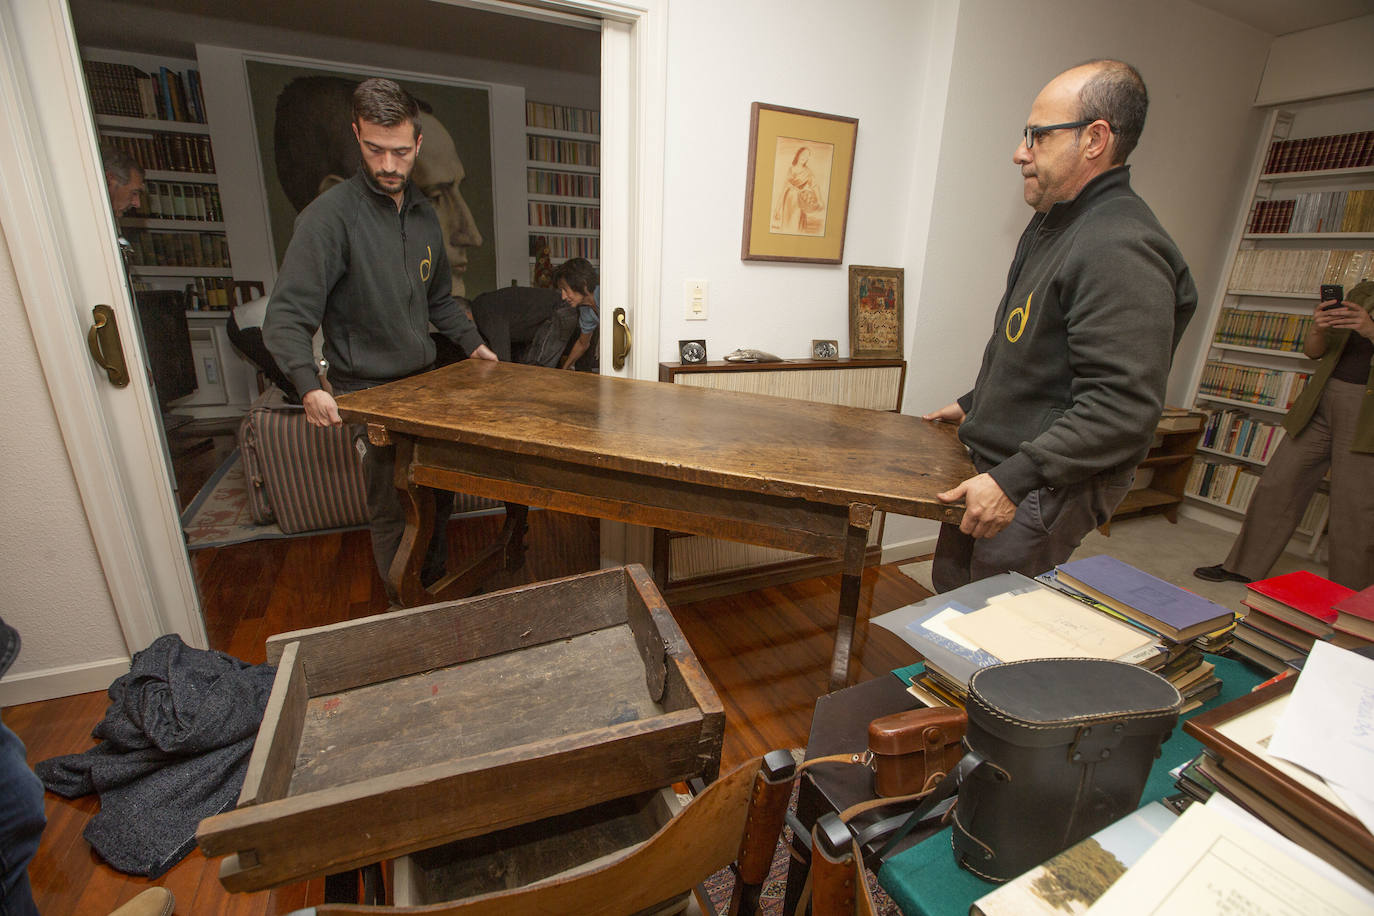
306	477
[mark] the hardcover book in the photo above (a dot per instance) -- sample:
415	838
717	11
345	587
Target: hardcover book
1355	613
1167	609
1300	598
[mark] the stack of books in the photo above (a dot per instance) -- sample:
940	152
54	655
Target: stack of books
1072	612
1286	614
1355	618
1182	625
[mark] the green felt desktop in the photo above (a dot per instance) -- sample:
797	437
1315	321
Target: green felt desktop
925	879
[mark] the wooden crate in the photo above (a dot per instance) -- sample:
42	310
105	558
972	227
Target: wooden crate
403	731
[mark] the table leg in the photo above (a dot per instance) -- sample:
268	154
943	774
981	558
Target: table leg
855	546
418	503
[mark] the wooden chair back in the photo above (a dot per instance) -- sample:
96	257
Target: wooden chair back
738	818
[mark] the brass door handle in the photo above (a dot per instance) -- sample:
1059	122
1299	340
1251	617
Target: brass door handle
621	341
106	349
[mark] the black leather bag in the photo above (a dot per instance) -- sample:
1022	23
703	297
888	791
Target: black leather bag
1060	748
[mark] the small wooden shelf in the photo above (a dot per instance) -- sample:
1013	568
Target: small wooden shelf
1168	462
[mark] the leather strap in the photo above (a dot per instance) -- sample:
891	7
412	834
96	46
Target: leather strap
946	788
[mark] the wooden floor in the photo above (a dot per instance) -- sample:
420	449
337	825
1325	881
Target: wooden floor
766	652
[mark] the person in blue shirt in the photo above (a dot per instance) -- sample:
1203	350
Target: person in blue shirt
577	282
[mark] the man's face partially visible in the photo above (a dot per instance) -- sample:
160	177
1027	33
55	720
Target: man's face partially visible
439	174
126	196
388	154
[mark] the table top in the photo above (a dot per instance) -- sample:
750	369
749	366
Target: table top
926	880
744	442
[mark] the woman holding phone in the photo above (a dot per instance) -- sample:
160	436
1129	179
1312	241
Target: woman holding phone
1330	426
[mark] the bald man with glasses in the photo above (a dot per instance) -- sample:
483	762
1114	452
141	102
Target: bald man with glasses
1072	381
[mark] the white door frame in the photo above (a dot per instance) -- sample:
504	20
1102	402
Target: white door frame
56	217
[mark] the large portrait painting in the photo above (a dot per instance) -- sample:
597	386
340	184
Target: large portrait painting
796	198
303	118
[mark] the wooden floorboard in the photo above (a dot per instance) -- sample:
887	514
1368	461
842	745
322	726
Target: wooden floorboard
767	653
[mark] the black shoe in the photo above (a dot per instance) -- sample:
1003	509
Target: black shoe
1219	573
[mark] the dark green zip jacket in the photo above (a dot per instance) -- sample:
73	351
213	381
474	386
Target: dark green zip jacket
1073	379
374	278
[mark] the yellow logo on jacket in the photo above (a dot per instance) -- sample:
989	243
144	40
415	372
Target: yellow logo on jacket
1023	314
427	265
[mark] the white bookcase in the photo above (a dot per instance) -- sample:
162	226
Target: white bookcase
1258	316
563	181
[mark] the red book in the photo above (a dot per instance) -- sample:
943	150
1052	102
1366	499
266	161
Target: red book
1301	598
1355	613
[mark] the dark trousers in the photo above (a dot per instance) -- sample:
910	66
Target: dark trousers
387	518
21	824
1049	525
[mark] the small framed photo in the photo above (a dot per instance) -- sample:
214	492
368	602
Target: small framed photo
825	349
796	198
875	312
691	352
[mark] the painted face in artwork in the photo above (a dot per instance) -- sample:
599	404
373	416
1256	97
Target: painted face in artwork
439	174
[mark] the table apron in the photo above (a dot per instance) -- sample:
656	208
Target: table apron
770	520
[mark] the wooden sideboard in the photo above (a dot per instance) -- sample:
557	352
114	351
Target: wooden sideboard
703	567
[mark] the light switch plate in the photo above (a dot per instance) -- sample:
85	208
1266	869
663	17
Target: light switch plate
695	296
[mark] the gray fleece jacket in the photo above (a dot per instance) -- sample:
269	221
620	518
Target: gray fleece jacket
373	278
1073	379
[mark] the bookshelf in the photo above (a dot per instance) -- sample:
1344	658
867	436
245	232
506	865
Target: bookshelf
1161	475
154	110
563	181
1308	219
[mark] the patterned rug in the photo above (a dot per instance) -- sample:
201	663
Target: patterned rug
718	887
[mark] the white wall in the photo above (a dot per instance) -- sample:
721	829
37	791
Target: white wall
1201	70
52	589
862	60
1318	62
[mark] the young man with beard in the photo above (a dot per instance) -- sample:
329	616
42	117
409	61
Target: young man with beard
367	264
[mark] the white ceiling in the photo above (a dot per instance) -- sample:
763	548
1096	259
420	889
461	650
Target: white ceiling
1279	17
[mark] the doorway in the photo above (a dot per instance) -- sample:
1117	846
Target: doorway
128	501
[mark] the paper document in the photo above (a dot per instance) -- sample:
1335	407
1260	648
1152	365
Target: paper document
1328	726
1045	624
1206	863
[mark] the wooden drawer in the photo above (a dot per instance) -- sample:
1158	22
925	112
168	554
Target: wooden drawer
404	731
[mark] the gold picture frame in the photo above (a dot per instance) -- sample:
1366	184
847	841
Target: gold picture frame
796	195
875	312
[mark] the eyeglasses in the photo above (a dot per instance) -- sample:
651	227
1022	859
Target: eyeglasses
1030	131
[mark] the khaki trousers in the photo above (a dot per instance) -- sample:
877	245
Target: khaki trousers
1291	477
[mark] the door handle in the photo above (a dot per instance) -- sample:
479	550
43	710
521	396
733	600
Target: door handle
106	349
621	341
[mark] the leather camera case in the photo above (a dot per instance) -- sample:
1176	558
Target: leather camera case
911	747
1066	747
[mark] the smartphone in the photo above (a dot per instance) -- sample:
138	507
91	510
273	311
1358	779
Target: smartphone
1333	293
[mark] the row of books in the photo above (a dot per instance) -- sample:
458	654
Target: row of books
566	246
178	249
1310	154
564	216
1318	211
125	90
565	184
1254	384
563	152
167	152
1223	482
562	117
208	293
1287	614
1237	433
181	200
1265	330
1298	270
1085	608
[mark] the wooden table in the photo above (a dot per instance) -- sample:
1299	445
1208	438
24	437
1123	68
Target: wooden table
781	473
